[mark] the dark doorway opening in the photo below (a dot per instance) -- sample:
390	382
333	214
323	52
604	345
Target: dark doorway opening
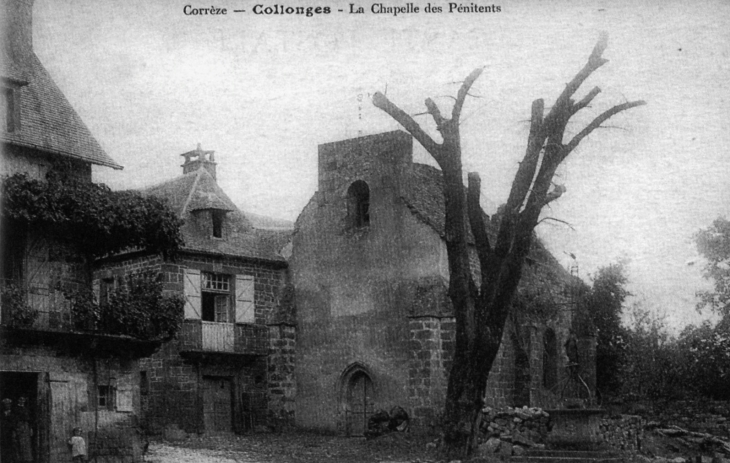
19	424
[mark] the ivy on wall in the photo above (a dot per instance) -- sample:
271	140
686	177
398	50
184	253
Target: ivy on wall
96	219
136	307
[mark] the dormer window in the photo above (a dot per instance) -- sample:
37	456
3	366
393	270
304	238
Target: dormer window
358	204
10	104
217	217
10	122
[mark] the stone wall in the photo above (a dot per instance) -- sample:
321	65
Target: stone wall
431	349
173	395
62	390
372	297
669	428
281	379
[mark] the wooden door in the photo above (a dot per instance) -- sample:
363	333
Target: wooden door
217	404
359	404
43	435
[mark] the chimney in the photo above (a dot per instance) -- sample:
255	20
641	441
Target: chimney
16	22
198	158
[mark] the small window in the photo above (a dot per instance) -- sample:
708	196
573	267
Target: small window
7	112
105	398
106	288
218	217
216	297
144	383
216	282
358	204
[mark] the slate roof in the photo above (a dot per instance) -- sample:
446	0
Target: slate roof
47	120
198	190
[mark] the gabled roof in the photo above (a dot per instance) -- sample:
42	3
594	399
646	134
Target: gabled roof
193	191
47	120
423	194
197	191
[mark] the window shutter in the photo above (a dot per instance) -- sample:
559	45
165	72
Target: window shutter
96	288
245	308
125	398
192	294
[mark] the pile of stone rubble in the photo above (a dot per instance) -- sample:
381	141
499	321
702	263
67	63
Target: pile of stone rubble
512	431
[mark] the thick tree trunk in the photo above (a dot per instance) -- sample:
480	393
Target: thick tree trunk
481	310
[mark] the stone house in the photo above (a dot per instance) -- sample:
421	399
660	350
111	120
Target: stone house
374	323
231	366
69	377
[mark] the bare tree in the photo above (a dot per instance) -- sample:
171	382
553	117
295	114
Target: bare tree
481	310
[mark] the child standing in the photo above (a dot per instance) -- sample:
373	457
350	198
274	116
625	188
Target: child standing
78	446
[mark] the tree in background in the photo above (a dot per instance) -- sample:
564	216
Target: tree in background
653	365
714	245
481	307
705	356
604	304
707	346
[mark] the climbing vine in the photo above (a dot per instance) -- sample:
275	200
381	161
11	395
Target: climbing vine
15	306
96	219
136	307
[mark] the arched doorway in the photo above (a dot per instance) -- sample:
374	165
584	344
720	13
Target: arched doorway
357	399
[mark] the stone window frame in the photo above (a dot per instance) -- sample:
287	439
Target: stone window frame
358	204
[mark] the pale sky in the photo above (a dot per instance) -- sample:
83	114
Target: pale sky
264	91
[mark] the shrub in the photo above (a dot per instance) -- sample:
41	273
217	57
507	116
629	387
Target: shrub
16	308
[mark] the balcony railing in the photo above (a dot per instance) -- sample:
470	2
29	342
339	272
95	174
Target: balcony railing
230	338
35	306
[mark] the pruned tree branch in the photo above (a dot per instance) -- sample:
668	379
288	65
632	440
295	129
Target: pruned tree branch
595	61
382	102
556	220
526	171
597	123
435	112
556	192
585	101
463	92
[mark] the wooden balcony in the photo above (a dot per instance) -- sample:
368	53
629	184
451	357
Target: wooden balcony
204	337
45	308
41	314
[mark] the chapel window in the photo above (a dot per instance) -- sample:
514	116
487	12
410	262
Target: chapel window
358	204
550	359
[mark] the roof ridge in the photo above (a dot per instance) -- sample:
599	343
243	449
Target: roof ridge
190	193
165	182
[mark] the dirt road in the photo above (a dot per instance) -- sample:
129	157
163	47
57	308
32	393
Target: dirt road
291	448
